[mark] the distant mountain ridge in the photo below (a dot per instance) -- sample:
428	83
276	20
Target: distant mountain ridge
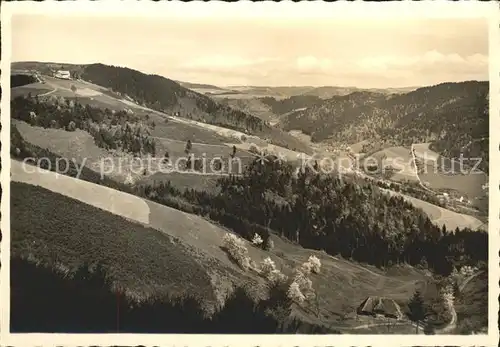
453	114
198	85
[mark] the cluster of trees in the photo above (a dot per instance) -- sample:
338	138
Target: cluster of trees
18	80
44	299
346	216
111	130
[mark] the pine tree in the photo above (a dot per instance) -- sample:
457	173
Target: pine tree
418	309
188	147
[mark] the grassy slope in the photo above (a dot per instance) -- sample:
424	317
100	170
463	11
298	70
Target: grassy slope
440	216
79	145
190	259
472	305
34	89
55	228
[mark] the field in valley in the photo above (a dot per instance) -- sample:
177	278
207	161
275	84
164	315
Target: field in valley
400	159
170	241
439	215
468	184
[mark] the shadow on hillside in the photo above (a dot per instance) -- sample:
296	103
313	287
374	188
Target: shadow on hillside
44	299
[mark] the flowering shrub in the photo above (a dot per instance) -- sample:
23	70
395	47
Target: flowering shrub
268	270
304	283
277	277
315	264
294	293
236	248
305	269
257	240
468	270
267	266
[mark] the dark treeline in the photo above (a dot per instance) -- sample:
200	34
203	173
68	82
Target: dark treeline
45	299
111	130
18	80
348	216
163	94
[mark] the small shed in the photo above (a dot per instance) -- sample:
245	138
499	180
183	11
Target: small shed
380	306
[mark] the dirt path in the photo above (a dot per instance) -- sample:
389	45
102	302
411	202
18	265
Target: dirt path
412	150
48	93
452	325
371	325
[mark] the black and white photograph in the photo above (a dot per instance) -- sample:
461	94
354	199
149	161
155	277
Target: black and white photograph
210	170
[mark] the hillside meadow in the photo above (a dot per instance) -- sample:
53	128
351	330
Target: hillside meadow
174	241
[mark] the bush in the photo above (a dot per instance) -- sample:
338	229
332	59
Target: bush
273	275
305	284
467	271
305	269
267	266
294	293
315	264
237	250
257	240
276	277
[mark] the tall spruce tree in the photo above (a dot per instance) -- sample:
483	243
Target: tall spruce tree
418	309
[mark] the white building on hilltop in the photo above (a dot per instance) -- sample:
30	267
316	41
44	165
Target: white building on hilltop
65	75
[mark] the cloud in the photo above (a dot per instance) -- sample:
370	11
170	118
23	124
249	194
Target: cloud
391	70
222	62
311	64
429	61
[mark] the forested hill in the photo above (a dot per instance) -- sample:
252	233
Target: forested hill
166	95
453	115
292	103
441	112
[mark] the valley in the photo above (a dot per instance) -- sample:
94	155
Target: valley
346	217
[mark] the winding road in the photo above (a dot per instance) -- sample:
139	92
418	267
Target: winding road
454	318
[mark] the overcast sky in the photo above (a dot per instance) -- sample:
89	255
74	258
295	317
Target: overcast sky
251	51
